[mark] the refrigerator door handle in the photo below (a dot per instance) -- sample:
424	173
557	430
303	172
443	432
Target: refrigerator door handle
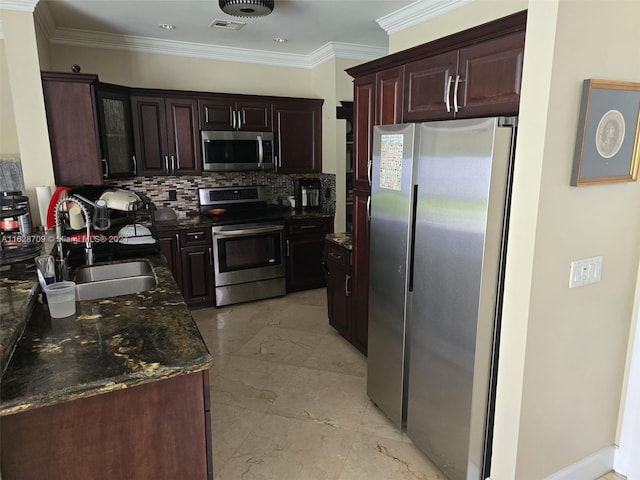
412	239
447	94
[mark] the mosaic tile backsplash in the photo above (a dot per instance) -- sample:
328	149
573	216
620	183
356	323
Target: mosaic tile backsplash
186	187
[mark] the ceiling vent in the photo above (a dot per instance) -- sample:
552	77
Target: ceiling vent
226	25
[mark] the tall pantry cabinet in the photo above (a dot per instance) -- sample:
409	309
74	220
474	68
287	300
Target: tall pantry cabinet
474	73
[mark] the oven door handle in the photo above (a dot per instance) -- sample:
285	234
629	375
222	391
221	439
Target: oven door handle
248	231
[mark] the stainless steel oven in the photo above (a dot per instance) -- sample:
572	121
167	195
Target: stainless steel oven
248	244
248	262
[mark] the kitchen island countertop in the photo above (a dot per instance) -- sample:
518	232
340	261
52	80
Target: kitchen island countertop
110	344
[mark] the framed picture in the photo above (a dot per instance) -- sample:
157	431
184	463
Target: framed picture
608	143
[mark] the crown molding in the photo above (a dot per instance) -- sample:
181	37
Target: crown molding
85	38
23	5
416	13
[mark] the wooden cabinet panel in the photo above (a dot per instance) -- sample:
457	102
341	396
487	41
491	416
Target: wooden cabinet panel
304	242
427	82
364	103
156	430
389	96
73	128
170	248
492	74
166	135
150	135
184	140
116	131
339	285
298	136
254	116
360	257
197	275
189	257
226	112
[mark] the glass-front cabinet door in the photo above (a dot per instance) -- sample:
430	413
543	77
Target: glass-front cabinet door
114	110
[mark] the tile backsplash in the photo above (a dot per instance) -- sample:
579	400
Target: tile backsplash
186	187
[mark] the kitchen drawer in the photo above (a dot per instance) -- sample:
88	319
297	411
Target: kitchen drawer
196	236
319	225
338	254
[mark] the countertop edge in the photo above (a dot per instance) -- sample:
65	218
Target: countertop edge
100	387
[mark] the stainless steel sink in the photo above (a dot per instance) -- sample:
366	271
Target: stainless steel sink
113	279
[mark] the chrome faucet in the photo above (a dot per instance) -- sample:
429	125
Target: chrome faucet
88	249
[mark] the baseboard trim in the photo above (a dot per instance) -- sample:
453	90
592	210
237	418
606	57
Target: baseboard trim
589	468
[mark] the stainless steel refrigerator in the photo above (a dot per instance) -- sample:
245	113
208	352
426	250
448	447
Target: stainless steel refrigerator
439	214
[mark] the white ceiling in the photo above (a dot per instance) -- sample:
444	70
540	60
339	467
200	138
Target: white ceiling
314	29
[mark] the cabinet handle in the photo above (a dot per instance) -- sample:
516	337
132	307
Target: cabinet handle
288	251
455	95
177	240
335	255
233	119
166	164
306	227
135	165
369	207
346	285
369	170
244	117
174	164
106	168
210	257
447	94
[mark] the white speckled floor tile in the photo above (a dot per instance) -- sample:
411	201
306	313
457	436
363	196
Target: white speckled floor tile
282	448
288	399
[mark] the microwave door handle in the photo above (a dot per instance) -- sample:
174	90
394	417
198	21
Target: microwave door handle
260	152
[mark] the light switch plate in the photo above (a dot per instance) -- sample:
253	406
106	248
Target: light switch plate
585	271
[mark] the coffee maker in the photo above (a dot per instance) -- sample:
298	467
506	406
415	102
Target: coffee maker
15	228
308	193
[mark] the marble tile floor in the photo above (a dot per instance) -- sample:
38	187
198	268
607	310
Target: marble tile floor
288	399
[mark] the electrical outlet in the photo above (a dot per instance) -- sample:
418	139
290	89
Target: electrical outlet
585	271
173	195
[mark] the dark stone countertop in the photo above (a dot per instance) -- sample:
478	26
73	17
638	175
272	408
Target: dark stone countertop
110	344
342	239
272	213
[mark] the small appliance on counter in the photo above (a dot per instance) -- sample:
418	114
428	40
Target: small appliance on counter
15	228
308	193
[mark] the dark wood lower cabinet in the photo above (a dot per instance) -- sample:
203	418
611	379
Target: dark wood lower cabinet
337	261
304	241
155	431
189	257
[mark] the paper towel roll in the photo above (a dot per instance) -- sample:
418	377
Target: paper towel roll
76	220
44	197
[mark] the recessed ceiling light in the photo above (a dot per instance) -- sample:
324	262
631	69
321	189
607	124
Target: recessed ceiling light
167	26
280	40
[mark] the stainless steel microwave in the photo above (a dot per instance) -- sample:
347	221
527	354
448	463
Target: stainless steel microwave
237	151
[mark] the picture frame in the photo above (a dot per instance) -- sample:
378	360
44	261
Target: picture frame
608	140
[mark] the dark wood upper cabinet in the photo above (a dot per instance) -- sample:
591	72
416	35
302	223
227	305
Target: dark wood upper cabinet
479	80
492	74
427	82
297	130
226	112
72	119
364	106
166	135
116	131
389	96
